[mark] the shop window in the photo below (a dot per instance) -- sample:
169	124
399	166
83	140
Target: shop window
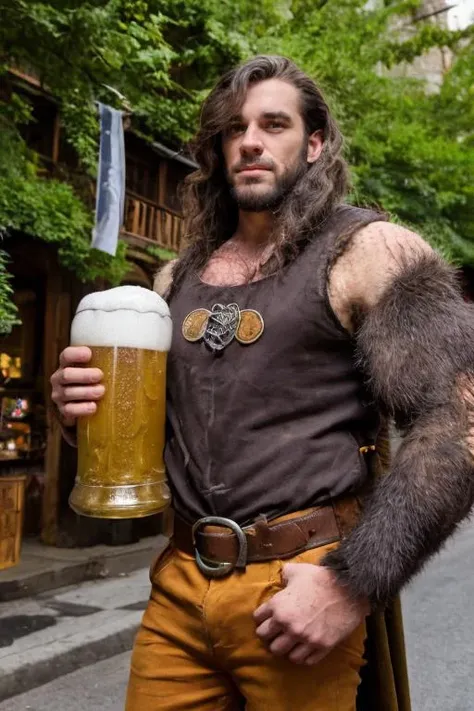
10	366
17	348
15	429
22	412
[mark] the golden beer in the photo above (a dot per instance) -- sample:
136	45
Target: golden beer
121	472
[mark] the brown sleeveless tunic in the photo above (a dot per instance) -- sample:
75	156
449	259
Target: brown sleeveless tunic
274	426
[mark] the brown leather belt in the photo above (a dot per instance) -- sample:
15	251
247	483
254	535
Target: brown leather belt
220	545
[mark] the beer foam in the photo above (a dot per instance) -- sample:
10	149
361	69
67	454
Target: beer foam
126	316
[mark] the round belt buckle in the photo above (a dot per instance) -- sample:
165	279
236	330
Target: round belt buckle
220	569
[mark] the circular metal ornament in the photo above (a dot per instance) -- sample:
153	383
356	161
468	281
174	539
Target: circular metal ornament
195	324
250	327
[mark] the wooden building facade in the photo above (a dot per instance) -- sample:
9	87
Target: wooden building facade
47	295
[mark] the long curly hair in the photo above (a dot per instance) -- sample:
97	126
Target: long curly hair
211	213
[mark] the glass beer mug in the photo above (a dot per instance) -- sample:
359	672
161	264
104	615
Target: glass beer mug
121	471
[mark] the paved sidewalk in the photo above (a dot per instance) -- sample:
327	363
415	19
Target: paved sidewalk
58	632
97	687
43	568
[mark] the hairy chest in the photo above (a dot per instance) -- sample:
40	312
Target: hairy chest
231	267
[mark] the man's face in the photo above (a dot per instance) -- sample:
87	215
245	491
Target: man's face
266	149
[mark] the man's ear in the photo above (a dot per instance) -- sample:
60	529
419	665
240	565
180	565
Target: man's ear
315	146
164	278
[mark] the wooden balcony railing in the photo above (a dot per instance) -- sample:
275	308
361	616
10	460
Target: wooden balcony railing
145	221
152	222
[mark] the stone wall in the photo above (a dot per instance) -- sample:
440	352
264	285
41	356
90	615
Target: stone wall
432	65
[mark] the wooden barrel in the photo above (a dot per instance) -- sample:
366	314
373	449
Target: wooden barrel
12	496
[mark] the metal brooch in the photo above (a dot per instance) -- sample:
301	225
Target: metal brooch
218	327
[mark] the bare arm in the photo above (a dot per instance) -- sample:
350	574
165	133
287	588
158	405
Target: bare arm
374	257
415	343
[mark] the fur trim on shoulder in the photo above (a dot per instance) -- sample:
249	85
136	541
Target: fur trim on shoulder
164	278
416	347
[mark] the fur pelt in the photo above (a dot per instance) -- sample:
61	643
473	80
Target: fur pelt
164	279
416	347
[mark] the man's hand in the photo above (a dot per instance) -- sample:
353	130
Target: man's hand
310	616
75	389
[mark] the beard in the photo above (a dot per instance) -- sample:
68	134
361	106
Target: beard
250	200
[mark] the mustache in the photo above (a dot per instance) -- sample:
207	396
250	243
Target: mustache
265	163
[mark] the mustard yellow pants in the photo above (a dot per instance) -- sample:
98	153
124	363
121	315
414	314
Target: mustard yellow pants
197	648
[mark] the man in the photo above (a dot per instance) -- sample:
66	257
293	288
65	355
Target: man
298	323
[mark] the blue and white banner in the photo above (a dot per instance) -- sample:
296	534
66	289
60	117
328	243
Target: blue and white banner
110	198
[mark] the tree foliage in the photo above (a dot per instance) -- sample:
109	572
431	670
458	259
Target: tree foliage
153	58
411	151
159	55
8	310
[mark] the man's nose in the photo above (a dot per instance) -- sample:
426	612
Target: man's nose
251	142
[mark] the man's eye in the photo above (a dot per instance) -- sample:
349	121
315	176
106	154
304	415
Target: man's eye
274	125
235	129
